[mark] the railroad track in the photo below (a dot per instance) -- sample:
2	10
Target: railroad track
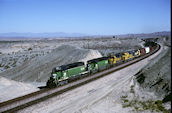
22	102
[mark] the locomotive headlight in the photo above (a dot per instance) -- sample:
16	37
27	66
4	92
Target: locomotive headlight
54	76
82	69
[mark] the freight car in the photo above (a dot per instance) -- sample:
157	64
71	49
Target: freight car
62	74
144	51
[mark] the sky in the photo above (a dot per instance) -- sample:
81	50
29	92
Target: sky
93	17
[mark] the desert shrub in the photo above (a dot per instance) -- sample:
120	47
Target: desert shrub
14	63
6	67
141	78
145	105
29	49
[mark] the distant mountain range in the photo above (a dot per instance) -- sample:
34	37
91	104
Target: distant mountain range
40	35
147	35
14	35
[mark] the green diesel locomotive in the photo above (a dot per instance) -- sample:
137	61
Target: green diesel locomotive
62	74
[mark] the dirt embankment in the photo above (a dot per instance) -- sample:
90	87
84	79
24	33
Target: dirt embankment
11	89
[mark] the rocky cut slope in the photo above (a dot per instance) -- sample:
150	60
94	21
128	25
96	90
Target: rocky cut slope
39	68
151	86
156	76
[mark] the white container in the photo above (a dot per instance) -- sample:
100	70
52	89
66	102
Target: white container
147	49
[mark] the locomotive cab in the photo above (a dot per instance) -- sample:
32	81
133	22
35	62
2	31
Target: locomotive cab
56	73
55	76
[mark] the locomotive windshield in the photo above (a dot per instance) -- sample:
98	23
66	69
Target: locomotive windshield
56	69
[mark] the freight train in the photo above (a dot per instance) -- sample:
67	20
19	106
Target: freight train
65	73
